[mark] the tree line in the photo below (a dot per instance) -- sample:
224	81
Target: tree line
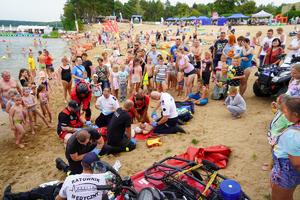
153	10
30	23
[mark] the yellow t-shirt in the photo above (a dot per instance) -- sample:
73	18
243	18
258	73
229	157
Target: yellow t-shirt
31	61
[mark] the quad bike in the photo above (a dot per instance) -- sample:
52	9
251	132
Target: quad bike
273	79
163	181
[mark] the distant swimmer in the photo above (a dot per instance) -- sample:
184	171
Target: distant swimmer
34	42
40	41
41	59
30	48
8	51
45	43
23	51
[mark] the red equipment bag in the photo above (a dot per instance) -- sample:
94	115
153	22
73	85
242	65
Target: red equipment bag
216	154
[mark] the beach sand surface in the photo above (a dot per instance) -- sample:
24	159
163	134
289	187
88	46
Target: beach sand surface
212	125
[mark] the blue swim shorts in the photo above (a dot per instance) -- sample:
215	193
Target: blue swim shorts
192	96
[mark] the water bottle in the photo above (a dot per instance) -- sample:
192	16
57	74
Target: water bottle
230	190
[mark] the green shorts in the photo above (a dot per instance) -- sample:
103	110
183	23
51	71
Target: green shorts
42	66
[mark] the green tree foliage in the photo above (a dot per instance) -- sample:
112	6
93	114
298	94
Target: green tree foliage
194	6
29	23
195	13
183	10
249	6
128	11
278	10
203	9
224	6
270	8
138	9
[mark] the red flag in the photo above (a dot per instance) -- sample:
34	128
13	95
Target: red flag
111	26
116	26
106	27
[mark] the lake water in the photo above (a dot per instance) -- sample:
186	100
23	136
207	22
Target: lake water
56	47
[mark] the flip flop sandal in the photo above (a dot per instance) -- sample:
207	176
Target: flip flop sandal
236	117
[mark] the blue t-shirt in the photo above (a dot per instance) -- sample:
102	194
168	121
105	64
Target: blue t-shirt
153	56
77	70
122	76
173	48
289	143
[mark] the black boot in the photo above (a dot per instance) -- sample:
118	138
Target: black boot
178	128
180	122
60	164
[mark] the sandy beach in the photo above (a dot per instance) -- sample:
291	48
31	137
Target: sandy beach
212	125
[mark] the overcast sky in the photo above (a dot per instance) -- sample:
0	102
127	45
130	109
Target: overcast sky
50	10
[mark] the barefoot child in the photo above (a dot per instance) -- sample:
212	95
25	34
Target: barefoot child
220	64
31	106
149	69
114	81
16	119
236	73
277	126
160	73
55	80
45	106
143	128
123	80
171	74
96	87
44	81
85	77
135	76
11	93
207	67
201	95
236	103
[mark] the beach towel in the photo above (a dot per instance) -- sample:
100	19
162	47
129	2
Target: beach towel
216	154
5	101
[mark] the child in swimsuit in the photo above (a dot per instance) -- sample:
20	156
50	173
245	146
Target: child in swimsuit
31	106
23	51
12	93
41	94
221	63
171	74
55	81
44	81
149	70
201	95
17	120
144	128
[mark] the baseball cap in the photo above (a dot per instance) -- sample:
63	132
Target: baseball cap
42	74
74	104
89	158
95	75
178	38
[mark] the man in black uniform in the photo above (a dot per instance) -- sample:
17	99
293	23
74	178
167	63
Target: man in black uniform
69	121
120	123
79	144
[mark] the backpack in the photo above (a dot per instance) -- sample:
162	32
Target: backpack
185	110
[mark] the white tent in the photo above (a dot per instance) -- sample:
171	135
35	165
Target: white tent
262	14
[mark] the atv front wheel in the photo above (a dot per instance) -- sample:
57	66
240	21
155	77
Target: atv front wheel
257	91
282	91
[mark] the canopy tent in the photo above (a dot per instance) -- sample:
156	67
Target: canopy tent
192	18
140	17
221	21
176	18
169	19
205	20
262	14
237	16
183	18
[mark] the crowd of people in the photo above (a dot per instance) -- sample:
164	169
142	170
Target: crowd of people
150	76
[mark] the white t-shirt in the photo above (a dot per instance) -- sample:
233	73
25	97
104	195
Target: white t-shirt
109	103
83	186
237	50
294	43
168	105
266	44
284	40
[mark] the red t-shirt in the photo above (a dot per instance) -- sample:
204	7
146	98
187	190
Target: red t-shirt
274	53
48	60
139	107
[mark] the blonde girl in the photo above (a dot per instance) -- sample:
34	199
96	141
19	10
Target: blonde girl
294	87
55	79
42	96
114	81
11	93
207	67
31	106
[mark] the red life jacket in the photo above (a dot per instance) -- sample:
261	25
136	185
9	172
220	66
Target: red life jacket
142	106
74	123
